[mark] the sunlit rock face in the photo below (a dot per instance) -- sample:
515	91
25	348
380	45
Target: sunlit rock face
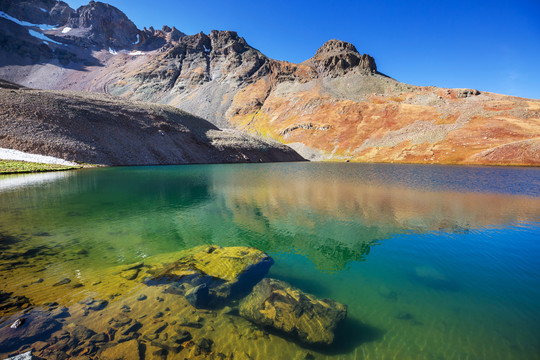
211	275
276	304
103	25
336	105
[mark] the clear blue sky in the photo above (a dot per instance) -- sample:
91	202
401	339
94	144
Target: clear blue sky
488	45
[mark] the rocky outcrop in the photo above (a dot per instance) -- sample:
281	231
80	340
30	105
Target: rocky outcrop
151	39
48	12
103	25
105	130
278	305
336	58
211	275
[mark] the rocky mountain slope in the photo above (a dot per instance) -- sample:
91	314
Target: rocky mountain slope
105	130
336	105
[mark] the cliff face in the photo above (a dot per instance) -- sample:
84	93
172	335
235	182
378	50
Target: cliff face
336	105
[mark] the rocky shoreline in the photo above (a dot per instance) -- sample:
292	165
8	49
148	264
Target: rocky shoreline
187	305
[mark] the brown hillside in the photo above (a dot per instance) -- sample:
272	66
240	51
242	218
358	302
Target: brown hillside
105	130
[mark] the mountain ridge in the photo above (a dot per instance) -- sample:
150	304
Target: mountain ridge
335	105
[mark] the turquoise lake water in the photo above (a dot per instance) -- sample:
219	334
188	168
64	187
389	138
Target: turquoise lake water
433	262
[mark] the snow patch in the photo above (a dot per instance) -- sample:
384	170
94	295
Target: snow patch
138	40
205	49
112	51
10	154
44	10
136	53
42	36
25	23
66	30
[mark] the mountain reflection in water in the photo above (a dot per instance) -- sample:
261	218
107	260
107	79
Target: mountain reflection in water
454	266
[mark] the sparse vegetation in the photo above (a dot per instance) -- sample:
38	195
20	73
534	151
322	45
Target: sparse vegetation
15	167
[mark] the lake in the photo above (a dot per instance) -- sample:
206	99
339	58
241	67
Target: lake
433	262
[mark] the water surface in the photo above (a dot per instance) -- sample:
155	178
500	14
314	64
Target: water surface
434	262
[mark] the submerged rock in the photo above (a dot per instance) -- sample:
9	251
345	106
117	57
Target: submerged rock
276	304
62	282
36	326
126	350
211	275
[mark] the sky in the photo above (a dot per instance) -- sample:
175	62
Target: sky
486	45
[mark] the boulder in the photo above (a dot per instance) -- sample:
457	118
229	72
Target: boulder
212	275
276	304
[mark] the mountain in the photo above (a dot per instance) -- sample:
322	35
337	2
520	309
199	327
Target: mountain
105	130
336	105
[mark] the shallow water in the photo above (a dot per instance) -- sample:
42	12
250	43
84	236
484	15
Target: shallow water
434	262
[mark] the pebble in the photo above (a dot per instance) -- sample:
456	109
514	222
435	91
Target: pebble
63	282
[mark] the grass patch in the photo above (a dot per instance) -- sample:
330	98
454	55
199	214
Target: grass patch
15	167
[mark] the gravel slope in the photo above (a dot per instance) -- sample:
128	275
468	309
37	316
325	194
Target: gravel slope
106	130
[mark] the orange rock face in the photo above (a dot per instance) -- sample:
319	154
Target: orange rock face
422	125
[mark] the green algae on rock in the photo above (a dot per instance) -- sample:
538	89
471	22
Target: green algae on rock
211	275
276	304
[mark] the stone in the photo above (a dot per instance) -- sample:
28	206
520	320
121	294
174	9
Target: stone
17	324
120	321
203	346
133	328
198	296
167	345
82	333
37	326
158	315
99	338
276	304
141	297
128	350
60	312
130	274
212	275
63	282
181	337
98	305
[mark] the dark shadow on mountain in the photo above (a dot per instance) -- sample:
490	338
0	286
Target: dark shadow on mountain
18	47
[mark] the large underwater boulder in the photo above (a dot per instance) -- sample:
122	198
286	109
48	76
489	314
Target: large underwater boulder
276	304
212	275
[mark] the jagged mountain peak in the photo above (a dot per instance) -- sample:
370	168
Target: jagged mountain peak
50	12
334	46
104	25
336	57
